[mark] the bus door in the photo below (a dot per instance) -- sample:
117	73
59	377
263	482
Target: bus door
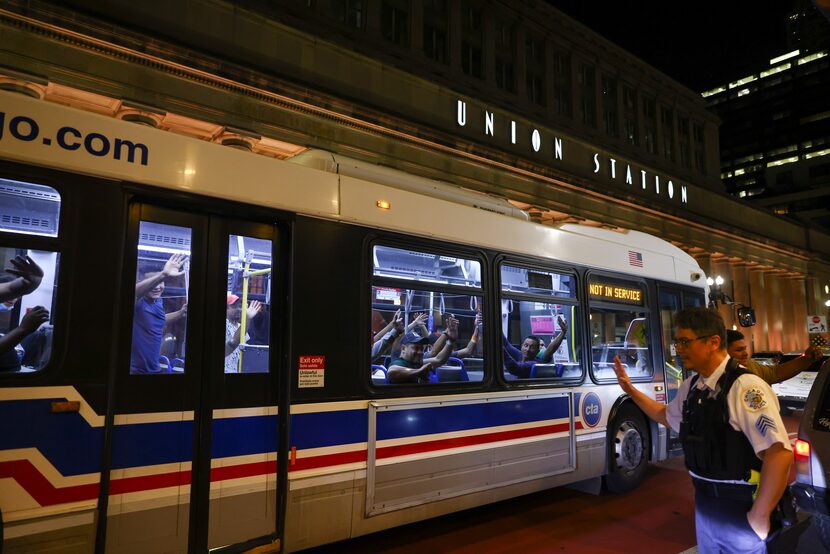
672	300
195	435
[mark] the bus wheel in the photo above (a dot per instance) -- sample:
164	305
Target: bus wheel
628	450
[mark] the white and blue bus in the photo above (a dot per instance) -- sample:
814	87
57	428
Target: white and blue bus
282	425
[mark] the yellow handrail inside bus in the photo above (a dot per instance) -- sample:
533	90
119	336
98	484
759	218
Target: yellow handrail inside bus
246	275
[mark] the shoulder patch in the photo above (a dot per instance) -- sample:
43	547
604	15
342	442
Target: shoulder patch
754	400
764	424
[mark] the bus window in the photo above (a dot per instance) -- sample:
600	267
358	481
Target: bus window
248	319
539	325
29	209
160	313
28	285
624	334
412	324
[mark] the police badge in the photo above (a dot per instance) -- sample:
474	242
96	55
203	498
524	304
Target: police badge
754	399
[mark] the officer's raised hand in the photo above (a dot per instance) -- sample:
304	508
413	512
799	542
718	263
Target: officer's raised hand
622	376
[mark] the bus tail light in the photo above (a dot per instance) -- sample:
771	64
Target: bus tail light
801	450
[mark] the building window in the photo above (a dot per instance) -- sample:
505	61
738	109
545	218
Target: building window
350	12
700	156
667	120
630	115
394	21
435	30
649	125
586	81
610	116
683	141
506	56
562	83
535	65
472	40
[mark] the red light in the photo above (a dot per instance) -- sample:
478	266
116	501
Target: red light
802	448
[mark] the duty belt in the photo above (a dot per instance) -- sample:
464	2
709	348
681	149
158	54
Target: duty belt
735	491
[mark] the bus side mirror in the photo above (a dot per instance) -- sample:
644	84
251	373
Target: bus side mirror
746	316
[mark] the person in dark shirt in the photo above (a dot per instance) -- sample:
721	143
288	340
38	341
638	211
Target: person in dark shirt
34	318
521	362
149	317
412	367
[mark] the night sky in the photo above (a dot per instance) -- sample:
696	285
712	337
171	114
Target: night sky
700	44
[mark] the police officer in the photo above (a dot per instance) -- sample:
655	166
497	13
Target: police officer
736	447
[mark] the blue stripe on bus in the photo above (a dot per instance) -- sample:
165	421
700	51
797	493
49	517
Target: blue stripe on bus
315	430
65	439
146	444
240	436
75	448
395	424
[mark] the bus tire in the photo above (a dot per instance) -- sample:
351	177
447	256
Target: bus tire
627	450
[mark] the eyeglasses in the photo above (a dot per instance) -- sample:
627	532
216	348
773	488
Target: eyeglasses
684	343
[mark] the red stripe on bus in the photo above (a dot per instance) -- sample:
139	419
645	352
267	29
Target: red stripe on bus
39	487
46	494
468	440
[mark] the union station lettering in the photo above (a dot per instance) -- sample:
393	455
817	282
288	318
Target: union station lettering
619	172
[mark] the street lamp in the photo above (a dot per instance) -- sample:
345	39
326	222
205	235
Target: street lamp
745	314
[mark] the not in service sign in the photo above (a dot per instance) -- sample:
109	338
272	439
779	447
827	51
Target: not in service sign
312	371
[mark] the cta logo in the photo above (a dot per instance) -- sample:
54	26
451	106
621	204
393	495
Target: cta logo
591	409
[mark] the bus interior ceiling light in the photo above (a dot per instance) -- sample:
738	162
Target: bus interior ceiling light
384	204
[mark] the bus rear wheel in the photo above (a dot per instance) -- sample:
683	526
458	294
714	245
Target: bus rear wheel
628	450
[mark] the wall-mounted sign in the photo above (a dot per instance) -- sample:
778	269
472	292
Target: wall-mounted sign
816	324
616	293
555	150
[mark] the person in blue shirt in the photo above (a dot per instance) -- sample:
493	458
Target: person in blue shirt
149	317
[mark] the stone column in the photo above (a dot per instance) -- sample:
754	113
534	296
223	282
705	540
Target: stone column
799	339
758	333
774	313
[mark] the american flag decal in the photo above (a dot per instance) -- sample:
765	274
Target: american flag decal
635	259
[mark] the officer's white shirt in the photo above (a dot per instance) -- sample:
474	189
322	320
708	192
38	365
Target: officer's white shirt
753	408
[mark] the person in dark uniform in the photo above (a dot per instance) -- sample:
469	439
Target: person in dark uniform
149	317
735	443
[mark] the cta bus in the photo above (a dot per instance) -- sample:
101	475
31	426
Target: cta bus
215	372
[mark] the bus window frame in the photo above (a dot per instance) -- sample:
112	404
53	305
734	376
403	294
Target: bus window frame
648	301
535	264
60	182
441	248
162	391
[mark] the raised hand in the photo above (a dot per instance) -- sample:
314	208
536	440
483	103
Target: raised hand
622	376
563	326
28	270
452	327
254	309
173	266
479	319
397	322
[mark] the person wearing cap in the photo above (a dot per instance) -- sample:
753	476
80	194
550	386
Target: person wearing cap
411	366
233	329
737	349
149	317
